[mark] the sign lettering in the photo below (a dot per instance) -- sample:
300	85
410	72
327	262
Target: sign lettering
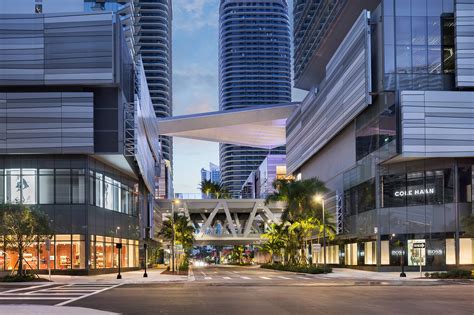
414	192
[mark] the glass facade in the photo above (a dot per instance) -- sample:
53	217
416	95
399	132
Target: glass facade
69	252
63	186
418	44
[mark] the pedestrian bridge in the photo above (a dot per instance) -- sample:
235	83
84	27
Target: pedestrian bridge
226	221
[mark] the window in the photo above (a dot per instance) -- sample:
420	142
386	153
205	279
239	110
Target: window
63	252
46	186
63	186
108	193
38	8
418	188
78	186
99	190
78	252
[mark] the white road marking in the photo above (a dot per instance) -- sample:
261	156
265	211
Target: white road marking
304	278
281	277
32	298
26	288
88	295
208	278
227	278
246	278
266	278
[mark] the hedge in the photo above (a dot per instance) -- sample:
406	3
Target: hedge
300	269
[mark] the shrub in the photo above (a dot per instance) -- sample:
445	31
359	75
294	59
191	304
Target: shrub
451	274
19	278
295	268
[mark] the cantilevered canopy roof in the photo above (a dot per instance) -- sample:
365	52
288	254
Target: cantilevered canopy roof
261	127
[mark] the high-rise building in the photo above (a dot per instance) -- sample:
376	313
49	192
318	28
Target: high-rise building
213	174
155	19
254	70
387	125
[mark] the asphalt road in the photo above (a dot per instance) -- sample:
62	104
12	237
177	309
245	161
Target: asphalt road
235	290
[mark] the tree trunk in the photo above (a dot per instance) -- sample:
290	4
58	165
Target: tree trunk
20	259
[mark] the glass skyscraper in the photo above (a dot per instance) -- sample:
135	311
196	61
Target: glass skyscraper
254	70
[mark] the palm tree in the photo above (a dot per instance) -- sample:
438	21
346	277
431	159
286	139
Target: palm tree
207	187
299	197
276	238
210	188
302	229
183	232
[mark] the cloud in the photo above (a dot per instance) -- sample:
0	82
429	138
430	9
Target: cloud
192	15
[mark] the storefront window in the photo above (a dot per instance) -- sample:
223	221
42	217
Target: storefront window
109	252
63	252
100	252
370	257
124	254
385	253
108	193
351	254
78	252
2	254
45	255
11	257
92	252
2	186
466	251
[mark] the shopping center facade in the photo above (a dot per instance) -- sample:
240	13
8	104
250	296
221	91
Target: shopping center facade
77	139
388	126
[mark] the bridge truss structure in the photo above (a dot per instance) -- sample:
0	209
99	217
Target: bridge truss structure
226	221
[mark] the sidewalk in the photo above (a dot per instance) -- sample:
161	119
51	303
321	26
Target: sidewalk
363	275
129	277
50	310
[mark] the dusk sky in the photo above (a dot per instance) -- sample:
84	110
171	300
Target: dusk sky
195	83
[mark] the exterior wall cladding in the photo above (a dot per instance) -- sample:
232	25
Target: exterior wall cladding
254	70
76	138
391	101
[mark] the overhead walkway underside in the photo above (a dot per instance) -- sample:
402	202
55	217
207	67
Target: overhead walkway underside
227	221
260	127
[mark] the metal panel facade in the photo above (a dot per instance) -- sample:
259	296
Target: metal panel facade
343	94
46	123
437	124
464	41
56	49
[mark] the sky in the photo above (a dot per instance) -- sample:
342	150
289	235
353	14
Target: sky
195	84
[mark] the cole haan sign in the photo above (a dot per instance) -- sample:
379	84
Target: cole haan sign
414	192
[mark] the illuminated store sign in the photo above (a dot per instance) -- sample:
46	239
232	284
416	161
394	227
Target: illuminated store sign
414	192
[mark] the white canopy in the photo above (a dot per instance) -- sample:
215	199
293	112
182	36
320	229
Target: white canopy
260	127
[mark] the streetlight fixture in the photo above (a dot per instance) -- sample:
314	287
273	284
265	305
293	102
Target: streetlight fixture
320	199
119	248
173	235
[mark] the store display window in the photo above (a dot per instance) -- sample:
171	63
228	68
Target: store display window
63	252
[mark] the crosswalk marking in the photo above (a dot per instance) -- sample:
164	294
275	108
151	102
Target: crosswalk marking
281	277
265	278
246	278
57	294
227	278
208	278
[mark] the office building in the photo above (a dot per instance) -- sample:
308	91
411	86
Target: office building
77	137
254	70
387	125
259	184
213	174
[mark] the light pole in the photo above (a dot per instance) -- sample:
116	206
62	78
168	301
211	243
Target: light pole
173	235
119	248
320	199
145	246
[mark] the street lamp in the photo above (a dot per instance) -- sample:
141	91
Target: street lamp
119	248
173	258
320	199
